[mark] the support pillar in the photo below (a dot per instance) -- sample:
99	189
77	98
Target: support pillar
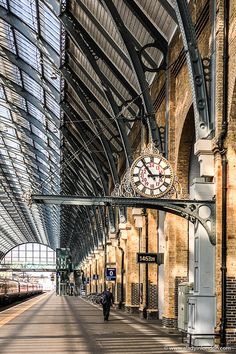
131	266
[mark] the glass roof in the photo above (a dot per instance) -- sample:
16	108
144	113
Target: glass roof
61	91
29	120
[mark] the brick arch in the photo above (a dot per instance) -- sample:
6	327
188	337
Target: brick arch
185	149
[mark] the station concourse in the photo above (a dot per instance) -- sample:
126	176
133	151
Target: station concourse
117	170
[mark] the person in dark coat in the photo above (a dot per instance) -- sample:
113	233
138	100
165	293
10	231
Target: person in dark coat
107	300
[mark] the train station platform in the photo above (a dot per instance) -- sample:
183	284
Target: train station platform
53	324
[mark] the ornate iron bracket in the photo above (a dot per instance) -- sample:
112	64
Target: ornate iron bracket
202	211
196	70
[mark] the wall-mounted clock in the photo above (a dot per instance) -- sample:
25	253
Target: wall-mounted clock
151	175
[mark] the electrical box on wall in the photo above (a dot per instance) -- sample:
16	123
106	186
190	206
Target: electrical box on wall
184	290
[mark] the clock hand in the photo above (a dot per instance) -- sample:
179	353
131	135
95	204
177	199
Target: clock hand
160	175
149	171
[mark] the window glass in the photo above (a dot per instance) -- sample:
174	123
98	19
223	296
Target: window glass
30	253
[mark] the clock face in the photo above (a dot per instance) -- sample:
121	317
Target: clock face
151	176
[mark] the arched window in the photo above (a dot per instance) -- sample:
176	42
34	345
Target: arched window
30	256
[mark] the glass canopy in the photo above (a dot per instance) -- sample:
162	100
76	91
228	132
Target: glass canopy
69	98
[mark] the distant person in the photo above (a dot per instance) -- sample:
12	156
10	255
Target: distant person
107	300
71	289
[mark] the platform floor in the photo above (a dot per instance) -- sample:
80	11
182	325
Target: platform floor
53	324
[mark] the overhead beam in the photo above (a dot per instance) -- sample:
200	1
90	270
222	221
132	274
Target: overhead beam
197	78
110	40
188	209
72	25
92	114
108	94
171	11
159	39
84	93
139	71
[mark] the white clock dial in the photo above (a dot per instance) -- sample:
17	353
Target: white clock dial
151	175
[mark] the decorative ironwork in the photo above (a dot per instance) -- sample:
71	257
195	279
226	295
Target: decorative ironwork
192	210
195	67
124	188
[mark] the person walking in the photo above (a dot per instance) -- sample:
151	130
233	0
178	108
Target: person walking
107	300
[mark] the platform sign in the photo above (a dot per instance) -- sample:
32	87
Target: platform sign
147	257
111	274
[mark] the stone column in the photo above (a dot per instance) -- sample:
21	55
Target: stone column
131	266
175	265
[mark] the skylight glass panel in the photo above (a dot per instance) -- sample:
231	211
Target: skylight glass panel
42	150
52	75
19	166
33	87
36	113
10	131
10	71
43	162
5	112
18	157
49	26
25	10
3	3
52	128
20	121
23	137
11	143
6	36
52	105
4	152
16	99
28	51
2	94
39	133
53	145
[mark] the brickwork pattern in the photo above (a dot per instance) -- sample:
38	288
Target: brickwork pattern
118	285
231	302
231	339
135	294
153	296
169	322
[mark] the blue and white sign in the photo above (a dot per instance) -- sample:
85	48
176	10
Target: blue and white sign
111	274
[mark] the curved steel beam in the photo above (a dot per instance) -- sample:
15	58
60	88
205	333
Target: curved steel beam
138	69
197	79
109	38
92	115
70	19
107	91
85	95
161	42
187	209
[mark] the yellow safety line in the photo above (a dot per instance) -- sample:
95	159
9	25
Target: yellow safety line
19	309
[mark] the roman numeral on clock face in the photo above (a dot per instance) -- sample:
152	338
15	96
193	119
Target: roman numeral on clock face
151	175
